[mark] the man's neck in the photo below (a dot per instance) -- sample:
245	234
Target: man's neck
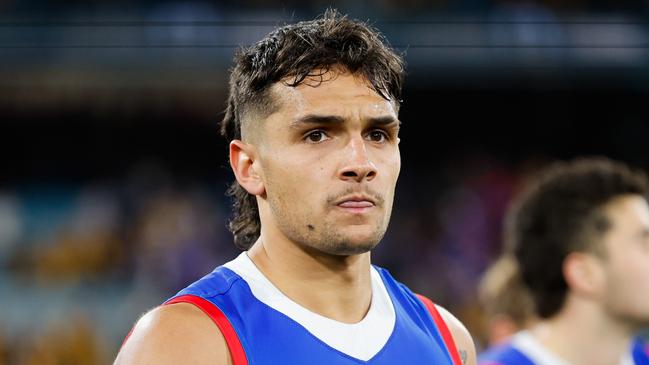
582	334
337	287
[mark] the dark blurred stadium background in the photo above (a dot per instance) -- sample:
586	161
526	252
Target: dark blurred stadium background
113	175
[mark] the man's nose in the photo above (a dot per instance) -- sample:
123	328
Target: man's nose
358	164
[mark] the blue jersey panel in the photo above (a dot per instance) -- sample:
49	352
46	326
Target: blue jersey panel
270	337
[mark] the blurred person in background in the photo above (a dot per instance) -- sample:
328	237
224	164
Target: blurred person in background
580	236
505	300
313	122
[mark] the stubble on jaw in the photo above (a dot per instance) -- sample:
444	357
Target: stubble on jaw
333	242
325	236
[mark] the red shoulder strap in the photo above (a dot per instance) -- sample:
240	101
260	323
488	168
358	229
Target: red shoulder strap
222	322
443	329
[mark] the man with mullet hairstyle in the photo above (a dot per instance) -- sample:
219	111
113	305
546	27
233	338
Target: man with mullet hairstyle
312	120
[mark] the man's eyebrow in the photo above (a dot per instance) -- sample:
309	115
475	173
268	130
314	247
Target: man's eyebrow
384	120
335	119
317	119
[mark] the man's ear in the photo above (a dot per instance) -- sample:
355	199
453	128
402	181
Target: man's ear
584	274
243	160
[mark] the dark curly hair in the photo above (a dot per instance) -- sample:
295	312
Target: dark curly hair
298	51
560	213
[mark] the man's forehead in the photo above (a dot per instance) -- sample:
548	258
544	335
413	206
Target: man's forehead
329	92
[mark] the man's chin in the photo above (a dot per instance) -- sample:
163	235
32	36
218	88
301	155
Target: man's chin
346	240
350	248
354	244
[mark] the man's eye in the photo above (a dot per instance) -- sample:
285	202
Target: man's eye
377	136
316	136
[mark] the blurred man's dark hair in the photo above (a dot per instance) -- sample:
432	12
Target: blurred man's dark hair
562	212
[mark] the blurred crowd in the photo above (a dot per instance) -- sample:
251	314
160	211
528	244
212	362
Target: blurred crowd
79	264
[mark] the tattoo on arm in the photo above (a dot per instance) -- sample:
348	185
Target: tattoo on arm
463	356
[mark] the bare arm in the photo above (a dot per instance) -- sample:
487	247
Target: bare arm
175	334
461	336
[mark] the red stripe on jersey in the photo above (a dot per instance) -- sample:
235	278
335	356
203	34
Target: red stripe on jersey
222	322
443	329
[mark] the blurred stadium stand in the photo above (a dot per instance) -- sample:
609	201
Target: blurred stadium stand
113	174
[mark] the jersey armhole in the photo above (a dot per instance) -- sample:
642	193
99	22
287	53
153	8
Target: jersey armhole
443	329
221	321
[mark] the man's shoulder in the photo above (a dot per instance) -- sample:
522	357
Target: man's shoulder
461	336
183	330
176	333
504	354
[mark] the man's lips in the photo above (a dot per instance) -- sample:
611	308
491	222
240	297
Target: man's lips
355	201
356	204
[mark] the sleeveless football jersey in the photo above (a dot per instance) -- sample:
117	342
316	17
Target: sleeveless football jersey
524	349
262	326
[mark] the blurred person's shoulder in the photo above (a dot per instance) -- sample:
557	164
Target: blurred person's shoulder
173	334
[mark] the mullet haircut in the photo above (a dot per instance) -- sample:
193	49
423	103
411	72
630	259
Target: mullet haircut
297	51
